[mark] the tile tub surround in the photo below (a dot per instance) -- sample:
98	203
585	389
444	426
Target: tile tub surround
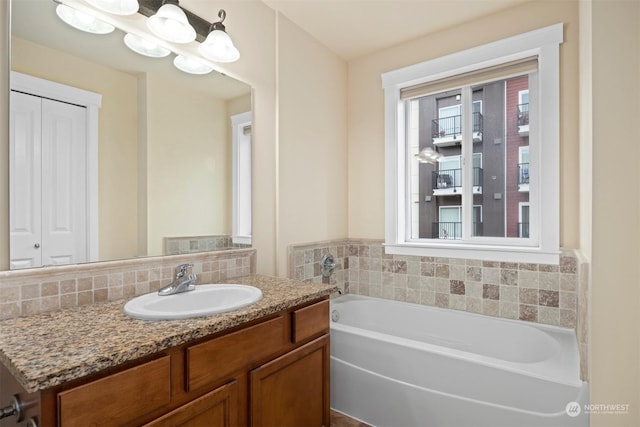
550	294
40	290
56	353
532	292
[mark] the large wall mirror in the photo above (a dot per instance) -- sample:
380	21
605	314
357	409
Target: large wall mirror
164	150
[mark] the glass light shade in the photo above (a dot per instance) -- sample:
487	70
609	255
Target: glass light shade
219	47
83	21
117	7
145	47
428	155
170	23
191	66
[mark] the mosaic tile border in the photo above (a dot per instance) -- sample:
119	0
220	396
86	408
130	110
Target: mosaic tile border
28	292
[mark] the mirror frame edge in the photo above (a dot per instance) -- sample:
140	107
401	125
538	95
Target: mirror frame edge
5	66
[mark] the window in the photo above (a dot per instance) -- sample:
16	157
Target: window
241	171
462	106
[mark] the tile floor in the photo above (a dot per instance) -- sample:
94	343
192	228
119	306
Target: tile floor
339	420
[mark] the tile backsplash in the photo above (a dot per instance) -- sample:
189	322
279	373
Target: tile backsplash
26	292
541	293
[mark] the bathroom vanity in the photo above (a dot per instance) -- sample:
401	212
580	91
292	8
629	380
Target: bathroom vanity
266	364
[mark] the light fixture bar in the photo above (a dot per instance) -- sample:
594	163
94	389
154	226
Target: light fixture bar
150	7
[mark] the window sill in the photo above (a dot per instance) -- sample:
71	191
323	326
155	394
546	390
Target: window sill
518	254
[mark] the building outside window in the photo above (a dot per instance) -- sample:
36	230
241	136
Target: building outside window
491	120
497	187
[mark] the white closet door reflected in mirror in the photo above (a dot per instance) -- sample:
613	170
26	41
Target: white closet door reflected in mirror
48	182
52	169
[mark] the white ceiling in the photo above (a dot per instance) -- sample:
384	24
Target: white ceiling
353	28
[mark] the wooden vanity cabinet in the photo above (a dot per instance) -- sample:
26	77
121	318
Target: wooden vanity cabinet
271	372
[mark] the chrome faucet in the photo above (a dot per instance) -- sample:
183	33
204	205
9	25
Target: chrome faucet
183	282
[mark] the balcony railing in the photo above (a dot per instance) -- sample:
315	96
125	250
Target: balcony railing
443	180
451	127
523	114
448	178
446	230
523	229
452	230
523	176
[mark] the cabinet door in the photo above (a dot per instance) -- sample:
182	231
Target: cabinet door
292	390
218	408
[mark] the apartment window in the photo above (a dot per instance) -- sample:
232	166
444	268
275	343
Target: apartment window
476	90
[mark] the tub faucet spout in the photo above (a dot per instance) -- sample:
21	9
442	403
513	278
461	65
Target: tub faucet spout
183	282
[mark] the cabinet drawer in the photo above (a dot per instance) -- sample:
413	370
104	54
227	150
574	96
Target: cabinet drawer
214	360
118	398
310	321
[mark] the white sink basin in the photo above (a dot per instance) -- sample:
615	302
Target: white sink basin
203	301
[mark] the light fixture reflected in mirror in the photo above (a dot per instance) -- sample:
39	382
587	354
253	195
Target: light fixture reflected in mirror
429	155
170	23
218	46
144	46
190	65
83	21
117	7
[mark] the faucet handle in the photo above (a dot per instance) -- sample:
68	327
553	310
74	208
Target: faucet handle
181	270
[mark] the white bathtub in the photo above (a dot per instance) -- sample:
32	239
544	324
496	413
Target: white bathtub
398	364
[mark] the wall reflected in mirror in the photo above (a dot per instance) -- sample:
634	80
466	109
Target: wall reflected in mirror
165	140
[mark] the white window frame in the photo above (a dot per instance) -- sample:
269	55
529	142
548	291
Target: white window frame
545	215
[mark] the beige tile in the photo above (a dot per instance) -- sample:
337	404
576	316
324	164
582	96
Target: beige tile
549	315
49	289
9	294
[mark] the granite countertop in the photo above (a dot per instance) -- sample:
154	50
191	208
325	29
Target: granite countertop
49	349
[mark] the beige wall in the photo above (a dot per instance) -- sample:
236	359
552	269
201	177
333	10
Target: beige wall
615	287
188	168
117	147
366	114
312	155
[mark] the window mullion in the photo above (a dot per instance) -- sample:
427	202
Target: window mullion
467	163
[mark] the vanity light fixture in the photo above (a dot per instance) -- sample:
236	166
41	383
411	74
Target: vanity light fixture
117	7
218	46
170	23
429	155
83	21
145	47
190	65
